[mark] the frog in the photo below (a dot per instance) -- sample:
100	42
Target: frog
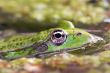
64	38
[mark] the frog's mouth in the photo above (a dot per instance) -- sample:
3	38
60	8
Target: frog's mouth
94	40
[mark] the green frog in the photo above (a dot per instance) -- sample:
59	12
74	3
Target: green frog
64	38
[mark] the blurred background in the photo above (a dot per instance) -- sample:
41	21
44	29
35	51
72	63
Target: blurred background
37	15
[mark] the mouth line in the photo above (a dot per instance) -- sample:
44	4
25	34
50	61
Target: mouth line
45	54
94	39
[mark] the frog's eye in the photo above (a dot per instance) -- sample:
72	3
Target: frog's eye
58	37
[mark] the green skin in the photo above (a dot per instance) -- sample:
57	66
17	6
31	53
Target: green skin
42	45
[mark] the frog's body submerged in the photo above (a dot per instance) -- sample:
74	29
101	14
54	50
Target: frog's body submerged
47	42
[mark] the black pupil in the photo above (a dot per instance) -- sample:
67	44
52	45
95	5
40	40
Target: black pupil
57	35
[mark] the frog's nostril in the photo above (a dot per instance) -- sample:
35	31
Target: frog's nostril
78	34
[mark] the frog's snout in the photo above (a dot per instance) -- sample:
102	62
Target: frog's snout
95	39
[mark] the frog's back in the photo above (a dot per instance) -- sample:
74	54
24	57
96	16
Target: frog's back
20	41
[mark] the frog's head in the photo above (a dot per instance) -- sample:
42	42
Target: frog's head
69	38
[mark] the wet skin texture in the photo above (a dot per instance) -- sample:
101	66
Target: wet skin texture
55	41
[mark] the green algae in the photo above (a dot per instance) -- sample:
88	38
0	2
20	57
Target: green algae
32	14
61	64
